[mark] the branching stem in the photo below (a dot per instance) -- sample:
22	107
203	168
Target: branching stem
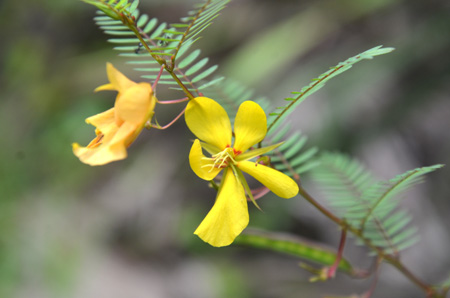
170	123
169	68
394	261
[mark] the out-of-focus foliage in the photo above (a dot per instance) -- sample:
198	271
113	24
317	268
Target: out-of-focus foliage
292	246
371	208
125	230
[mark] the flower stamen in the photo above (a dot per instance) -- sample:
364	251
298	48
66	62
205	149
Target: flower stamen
211	165
220	160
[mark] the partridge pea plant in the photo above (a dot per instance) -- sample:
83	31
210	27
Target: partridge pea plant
259	145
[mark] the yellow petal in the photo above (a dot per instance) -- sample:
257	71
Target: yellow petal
117	79
111	147
94	156
203	167
250	126
210	148
102	120
209	122
126	134
96	153
135	104
279	183
229	215
105	87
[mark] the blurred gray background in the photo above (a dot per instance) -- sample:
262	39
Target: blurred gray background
124	230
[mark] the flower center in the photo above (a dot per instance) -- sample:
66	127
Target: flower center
222	159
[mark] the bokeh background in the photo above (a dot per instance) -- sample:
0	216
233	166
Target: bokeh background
125	229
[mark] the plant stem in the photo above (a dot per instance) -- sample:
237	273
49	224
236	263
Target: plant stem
139	33
175	77
431	292
321	208
169	102
332	270
171	122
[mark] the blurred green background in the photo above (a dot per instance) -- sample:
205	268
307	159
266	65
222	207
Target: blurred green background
125	229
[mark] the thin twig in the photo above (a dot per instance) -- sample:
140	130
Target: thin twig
332	270
170	123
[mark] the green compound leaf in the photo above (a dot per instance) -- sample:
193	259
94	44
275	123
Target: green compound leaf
381	193
197	21
292	246
369	206
291	157
342	180
316	84
169	44
382	200
113	9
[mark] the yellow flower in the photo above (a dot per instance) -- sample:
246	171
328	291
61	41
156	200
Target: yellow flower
210	123
119	126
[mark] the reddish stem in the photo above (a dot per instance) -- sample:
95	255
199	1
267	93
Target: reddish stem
260	192
332	270
157	78
171	122
369	293
168	102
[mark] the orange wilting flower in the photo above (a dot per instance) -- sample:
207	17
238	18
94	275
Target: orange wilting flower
210	123
119	126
